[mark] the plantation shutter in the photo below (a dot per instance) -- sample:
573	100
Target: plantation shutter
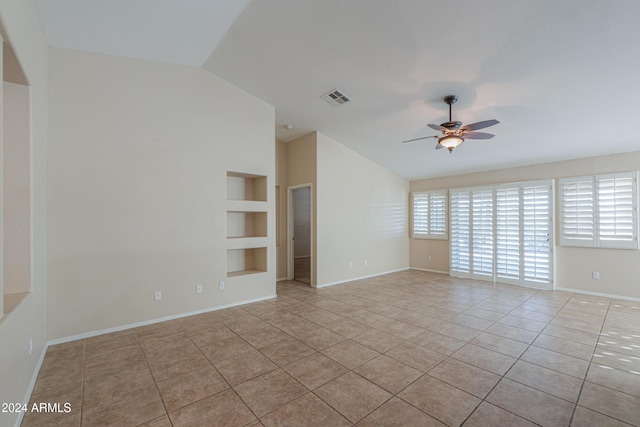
430	214
600	211
460	233
482	232
508	233
577	204
536	230
617	215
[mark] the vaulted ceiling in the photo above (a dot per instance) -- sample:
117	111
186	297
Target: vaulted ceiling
562	77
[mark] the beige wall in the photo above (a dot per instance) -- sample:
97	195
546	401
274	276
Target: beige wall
361	215
21	27
139	153
17	189
301	169
619	269
281	216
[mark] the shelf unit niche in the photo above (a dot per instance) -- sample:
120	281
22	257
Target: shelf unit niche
246	224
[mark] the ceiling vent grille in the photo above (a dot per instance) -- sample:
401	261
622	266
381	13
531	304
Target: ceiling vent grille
336	98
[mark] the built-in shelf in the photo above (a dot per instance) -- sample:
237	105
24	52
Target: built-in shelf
243	186
246	224
241	262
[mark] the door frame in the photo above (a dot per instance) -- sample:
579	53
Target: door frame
290	224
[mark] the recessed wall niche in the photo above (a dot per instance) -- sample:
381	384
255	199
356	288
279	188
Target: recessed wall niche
247	221
16	183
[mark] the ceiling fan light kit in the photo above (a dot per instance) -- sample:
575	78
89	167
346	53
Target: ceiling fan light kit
454	133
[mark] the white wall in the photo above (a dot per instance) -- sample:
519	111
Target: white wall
619	269
22	29
139	153
362	213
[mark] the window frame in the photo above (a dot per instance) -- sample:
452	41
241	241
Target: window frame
443	210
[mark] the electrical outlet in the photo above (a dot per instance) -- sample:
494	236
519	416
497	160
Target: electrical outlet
30	345
198	289
595	275
430	258
221	285
366	262
157	296
350	264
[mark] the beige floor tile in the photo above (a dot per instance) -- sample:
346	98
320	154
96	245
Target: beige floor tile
132	408
570	348
494	316
286	351
158	422
454	330
512	332
101	343
350	354
244	367
397	413
225	349
401	329
187	388
556	361
584	417
264	336
347	328
587	338
533	315
71	396
620	341
500	344
378	340
73	419
225	409
308	411
416	356
523	323
353	396
471	321
207	336
442	401
552	382
270	391
388	373
615	404
99	389
624	381
321	338
471	379
488	360
438	342
315	370
532	404
488	415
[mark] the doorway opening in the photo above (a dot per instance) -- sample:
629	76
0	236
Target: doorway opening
300	234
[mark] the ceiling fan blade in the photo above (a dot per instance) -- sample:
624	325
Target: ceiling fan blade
418	139
439	146
437	127
480	125
478	135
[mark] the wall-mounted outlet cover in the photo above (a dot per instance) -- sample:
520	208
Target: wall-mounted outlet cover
350	264
157	296
596	275
198	288
221	285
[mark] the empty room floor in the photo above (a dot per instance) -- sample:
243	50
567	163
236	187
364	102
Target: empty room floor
403	349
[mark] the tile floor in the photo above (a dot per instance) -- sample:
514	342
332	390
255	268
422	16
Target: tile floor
404	349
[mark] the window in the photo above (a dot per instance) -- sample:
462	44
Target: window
503	233
600	211
429	214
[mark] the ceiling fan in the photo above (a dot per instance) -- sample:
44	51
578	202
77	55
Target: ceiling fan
453	133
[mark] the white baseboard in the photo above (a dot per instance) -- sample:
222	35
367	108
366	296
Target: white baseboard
430	271
324	285
32	383
599	294
152	321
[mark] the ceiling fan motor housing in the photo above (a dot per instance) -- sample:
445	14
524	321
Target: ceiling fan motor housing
453	125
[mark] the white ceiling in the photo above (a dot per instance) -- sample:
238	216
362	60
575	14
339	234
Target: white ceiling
562	76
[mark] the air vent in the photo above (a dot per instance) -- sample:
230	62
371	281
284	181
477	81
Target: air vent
336	98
